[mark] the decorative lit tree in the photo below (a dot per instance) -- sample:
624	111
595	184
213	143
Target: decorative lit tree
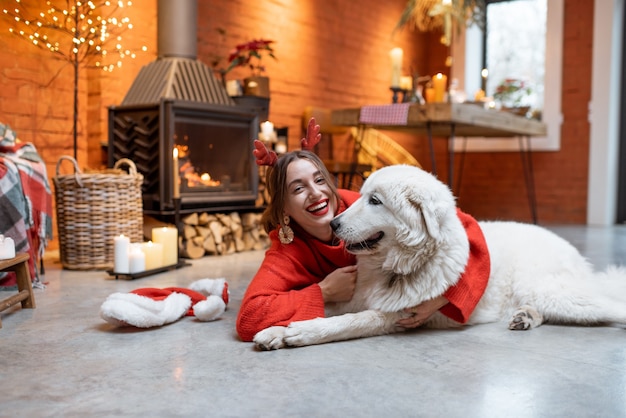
83	33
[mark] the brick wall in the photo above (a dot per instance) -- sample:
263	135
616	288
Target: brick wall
330	53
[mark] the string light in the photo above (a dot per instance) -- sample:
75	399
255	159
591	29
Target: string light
85	32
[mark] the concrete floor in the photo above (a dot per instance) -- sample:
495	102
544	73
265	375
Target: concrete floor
62	360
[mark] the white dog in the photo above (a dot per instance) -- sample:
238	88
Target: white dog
412	246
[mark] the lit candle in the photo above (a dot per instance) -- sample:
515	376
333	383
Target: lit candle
7	248
267	129
406	83
168	238
281	148
121	246
175	169
484	74
137	259
396	66
440	82
153	253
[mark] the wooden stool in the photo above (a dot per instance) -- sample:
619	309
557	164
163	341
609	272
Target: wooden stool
18	264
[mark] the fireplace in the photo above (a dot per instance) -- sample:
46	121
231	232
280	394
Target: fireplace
216	167
176	103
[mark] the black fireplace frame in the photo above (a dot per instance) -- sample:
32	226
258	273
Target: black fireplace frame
138	132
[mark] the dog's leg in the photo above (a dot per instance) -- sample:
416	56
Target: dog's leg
525	318
271	338
343	327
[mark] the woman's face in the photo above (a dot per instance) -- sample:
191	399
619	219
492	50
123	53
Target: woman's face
309	201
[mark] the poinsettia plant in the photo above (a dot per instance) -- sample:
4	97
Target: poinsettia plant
513	92
250	55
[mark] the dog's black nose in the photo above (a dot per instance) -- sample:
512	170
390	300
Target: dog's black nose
334	224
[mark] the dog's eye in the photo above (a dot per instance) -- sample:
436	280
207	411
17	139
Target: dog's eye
374	201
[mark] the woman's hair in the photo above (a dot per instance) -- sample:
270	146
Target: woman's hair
276	183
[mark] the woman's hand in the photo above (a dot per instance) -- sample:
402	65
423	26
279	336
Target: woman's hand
422	312
339	285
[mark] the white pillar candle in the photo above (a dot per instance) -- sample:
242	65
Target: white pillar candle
168	238
7	248
137	259
267	129
396	66
120	260
153	253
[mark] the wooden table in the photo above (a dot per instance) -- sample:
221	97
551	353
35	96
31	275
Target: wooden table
460	119
25	296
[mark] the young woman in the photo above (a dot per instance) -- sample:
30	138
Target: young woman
306	266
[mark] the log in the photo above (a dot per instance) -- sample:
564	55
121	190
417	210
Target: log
209	245
203	231
224	219
189	231
240	246
191	250
204	218
235	227
191	219
246	219
216	229
259	246
248	241
230	248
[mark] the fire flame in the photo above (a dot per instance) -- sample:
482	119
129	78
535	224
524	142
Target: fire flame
188	172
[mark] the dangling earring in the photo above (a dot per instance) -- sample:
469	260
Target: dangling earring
285	233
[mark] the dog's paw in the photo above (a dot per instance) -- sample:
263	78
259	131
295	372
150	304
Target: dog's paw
271	338
525	318
302	333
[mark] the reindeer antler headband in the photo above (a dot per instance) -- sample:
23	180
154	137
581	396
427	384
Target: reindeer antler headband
264	156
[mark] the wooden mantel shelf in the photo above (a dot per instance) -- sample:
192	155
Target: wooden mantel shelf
467	119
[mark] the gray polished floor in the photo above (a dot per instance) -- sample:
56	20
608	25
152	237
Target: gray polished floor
62	360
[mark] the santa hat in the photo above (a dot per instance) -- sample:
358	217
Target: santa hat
206	299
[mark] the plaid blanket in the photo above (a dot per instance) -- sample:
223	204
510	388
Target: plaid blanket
393	114
25	201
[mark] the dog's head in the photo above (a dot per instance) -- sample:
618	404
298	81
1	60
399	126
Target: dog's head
401	215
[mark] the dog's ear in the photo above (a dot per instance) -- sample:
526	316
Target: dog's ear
432	213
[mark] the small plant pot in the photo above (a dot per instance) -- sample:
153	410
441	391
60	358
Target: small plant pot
257	86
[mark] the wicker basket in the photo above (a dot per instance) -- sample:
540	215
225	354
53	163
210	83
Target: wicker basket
93	208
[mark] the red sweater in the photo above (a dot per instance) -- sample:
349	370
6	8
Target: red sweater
285	288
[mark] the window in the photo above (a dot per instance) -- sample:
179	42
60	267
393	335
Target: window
516	46
524	40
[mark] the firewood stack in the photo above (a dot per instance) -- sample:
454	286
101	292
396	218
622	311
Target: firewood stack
263	197
218	234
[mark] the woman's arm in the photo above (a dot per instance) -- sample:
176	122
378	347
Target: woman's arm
277	295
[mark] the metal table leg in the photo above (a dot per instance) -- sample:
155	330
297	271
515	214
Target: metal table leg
429	129
529	178
451	158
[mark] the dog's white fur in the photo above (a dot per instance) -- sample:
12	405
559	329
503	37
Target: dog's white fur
535	277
